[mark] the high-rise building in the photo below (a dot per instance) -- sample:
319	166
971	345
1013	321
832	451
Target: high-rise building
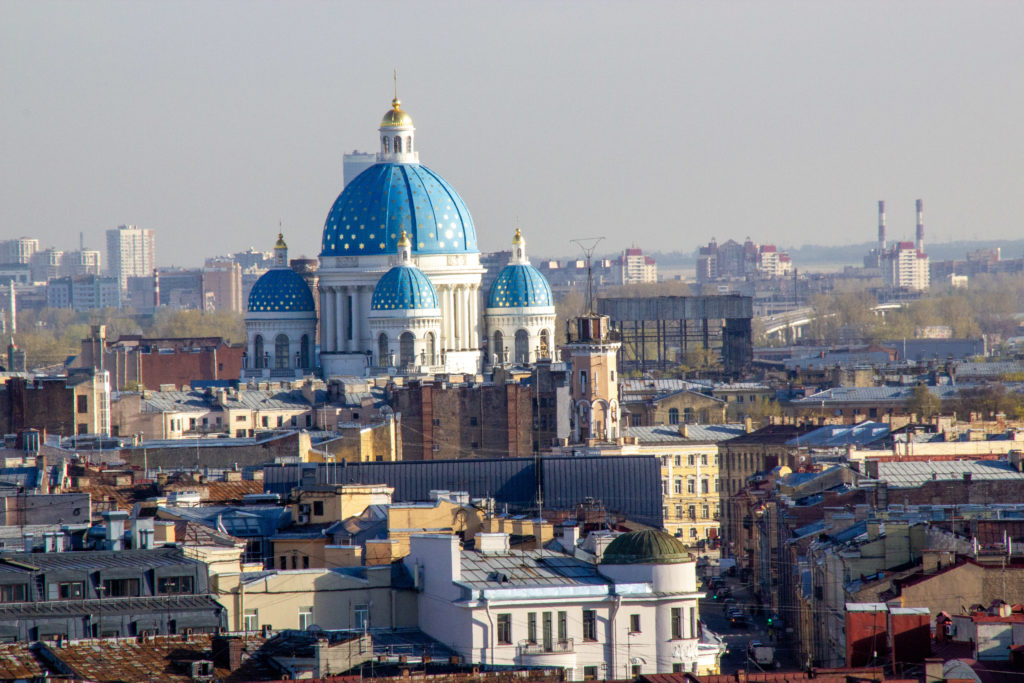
637	268
904	265
356	162
131	252
83	293
222	281
18	250
82	262
47	264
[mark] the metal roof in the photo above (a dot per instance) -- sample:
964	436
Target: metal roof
528	568
839	395
842	435
694	433
93	560
910	474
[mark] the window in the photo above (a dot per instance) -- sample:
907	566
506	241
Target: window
522	343
280	420
690	459
266	421
688	415
174	584
679	461
283	562
589	625
691	486
121	588
251	620
664	487
664	513
472	422
677	486
531	627
83	404
677	668
590	673
239	418
583	382
548	641
13	592
386	142
679	511
693	532
398	144
705	486
673	416
677	622
634	623
715	485
72	590
361	616
383	353
704	510
281	351
83	428
703	458
406	349
318	507
305	561
692	511
305	617
504	629
637	669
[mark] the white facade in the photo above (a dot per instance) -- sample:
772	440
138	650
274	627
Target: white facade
637	268
131	252
18	250
608	621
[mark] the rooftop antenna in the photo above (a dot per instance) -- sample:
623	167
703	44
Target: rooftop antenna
587	245
396	83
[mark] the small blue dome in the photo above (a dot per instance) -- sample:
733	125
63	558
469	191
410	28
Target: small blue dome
404	287
281	290
384	200
520	286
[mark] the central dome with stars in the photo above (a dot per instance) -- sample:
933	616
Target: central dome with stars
387	198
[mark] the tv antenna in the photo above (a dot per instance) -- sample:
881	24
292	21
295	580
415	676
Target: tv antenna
587	245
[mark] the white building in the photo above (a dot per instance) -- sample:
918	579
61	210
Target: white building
131	252
906	267
637	268
636	612
280	323
773	263
18	250
520	315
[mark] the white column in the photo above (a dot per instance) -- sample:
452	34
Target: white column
357	320
467	318
341	318
460	316
474	318
324	319
446	318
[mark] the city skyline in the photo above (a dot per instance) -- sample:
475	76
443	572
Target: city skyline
657	124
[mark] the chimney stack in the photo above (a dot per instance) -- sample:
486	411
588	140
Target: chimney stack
920	225
881	225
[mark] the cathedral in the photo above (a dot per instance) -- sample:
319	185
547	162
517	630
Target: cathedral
399	283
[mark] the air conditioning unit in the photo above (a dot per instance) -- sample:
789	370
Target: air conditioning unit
303	519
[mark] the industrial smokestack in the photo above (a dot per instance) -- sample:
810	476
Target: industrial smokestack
920	226
156	289
881	225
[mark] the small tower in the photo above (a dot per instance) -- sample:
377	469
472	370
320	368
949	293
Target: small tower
280	252
592	350
397	144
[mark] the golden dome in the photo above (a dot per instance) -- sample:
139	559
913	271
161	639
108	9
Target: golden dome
403	241
518	237
280	242
395	117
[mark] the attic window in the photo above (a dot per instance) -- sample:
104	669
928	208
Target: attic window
497	577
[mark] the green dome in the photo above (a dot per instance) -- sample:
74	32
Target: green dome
646	547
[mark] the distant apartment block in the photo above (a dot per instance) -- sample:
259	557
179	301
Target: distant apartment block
83	293
732	260
355	162
18	250
131	252
905	264
222	285
637	268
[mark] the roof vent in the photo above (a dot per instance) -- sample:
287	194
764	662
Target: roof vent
492	543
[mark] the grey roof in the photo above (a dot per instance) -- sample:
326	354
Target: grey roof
528	568
840	395
910	474
658	387
741	386
109	606
695	433
27	477
91	560
991	370
201	401
243	521
842	435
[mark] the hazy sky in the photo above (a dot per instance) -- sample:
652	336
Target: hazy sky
660	124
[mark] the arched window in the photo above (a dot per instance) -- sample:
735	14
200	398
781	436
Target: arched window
499	346
522	346
408	144
406	352
545	344
304	352
398	144
673	416
257	352
387	143
281	352
688	415
431	348
382	350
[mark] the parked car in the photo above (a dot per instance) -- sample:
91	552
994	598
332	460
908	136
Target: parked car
737	618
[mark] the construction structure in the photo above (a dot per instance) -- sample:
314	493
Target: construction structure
657	333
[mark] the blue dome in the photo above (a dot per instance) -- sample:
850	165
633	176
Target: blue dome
384	200
519	286
281	290
404	287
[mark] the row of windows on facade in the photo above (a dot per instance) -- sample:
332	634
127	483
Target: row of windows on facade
551	640
689	416
709	532
282	358
360	618
691	460
407	350
706	485
196	424
691	514
386	144
108	588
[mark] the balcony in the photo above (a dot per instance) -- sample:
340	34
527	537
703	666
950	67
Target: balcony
560	653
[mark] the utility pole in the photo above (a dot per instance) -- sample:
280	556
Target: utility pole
587	245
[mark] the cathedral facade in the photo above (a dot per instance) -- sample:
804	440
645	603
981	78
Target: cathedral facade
400	282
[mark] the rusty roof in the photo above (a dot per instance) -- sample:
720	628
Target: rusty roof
164	658
17	661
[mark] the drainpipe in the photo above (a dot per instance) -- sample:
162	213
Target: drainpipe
491	635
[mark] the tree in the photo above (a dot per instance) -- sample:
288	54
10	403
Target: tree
923	403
